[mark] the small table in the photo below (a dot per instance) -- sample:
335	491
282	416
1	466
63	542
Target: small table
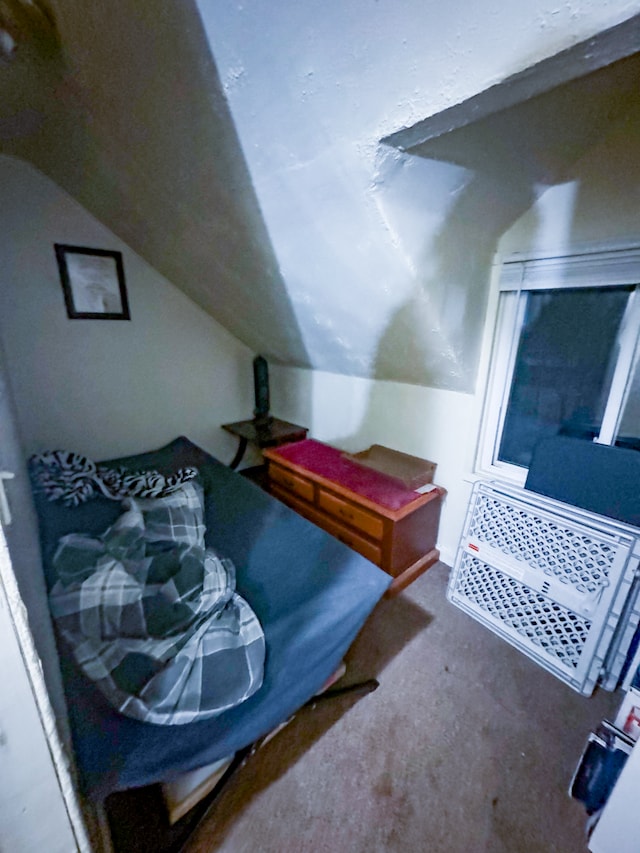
263	432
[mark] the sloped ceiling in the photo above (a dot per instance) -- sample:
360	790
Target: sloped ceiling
122	106
247	152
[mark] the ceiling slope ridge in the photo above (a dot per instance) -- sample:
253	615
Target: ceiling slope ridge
593	54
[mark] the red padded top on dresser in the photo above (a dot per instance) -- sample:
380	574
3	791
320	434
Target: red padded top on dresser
328	462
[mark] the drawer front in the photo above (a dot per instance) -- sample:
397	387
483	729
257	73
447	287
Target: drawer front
368	549
350	514
298	485
300	506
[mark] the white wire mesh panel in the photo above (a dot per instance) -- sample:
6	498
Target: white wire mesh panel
548	545
552	581
529	614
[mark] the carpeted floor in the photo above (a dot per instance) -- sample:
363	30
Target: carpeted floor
466	747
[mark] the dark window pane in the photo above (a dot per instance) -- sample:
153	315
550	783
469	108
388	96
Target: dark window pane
564	366
629	429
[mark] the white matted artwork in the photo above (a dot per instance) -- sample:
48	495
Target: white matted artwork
93	283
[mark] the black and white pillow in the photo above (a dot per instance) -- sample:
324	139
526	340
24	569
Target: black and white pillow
74	479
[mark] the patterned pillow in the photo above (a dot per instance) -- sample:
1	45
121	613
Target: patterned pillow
74	479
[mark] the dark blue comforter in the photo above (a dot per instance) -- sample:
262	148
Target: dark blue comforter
310	592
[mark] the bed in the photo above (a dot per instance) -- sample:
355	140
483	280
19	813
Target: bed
311	593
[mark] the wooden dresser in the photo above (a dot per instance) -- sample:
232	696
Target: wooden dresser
394	527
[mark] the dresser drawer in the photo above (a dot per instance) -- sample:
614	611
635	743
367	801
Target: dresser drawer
298	485
344	511
368	549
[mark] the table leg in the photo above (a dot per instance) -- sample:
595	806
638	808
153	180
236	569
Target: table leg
239	453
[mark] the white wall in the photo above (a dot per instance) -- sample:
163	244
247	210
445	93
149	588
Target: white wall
599	201
106	388
598	205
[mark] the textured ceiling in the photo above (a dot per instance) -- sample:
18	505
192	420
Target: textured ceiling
539	134
240	149
130	119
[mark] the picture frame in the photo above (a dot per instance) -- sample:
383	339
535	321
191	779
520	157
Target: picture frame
93	283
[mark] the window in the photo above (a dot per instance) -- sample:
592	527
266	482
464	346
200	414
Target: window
565	357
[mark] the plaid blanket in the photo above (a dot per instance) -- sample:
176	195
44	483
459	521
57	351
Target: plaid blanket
153	618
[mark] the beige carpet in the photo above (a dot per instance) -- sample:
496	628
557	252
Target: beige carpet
466	747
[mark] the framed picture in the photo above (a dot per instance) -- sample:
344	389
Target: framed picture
93	283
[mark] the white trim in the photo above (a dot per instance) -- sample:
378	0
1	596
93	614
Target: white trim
501	365
574	250
609	268
623	372
33	667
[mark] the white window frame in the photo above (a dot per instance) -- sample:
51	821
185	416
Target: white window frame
517	277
